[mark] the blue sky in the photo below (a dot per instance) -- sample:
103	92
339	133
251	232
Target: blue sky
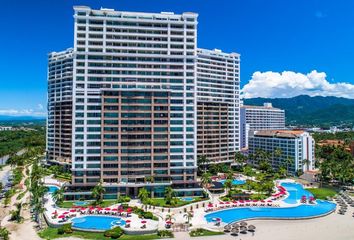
272	36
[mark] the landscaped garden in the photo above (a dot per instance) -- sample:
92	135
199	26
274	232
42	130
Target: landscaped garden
53	233
322	193
199	232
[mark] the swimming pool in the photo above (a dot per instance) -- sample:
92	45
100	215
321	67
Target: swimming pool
52	188
296	191
99	223
301	211
80	203
187	199
234	182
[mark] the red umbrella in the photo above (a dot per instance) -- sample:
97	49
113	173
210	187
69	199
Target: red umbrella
269	201
248	200
128	221
168	222
65	212
221	203
121	210
255	200
210	205
227	203
114	209
107	209
241	201
61	216
83	208
55	212
143	221
72	210
129	210
99	209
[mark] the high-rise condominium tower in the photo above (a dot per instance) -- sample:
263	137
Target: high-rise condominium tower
218	85
133	102
60	105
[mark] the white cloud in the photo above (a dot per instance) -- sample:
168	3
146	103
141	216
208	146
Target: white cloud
22	112
290	84
40	106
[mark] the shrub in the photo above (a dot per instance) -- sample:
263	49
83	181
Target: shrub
61	231
67	228
114	233
165	233
123	199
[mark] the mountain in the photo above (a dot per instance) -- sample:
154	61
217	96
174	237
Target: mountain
310	111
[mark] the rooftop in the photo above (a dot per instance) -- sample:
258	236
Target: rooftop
280	133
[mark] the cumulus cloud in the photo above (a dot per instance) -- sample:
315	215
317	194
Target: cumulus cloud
22	112
290	84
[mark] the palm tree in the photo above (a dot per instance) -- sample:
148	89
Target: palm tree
4	233
16	214
97	192
188	216
228	185
307	163
58	195
289	161
202	163
240	158
276	154
143	195
169	195
205	179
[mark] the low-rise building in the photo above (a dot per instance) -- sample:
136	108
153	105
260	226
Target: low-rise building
293	149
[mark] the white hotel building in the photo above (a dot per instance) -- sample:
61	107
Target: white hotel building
264	117
134	55
136	81
296	149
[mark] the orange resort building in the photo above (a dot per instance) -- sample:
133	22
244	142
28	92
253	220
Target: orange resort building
294	150
123	104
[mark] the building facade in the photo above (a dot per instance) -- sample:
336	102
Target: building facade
253	118
134	99
218	101
60	107
294	150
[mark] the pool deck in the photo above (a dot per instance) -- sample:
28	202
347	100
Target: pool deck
135	225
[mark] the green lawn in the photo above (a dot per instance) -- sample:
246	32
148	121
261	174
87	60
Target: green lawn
322	193
162	203
52	233
204	232
105	203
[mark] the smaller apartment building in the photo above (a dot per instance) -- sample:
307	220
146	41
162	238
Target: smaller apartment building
287	148
254	118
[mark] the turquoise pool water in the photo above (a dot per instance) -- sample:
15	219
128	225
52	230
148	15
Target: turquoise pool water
52	189
296	191
187	199
80	203
100	223
234	182
301	211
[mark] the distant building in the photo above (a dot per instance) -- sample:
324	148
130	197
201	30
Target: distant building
292	146
253	118
5	128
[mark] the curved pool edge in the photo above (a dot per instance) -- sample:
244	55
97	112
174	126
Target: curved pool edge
288	218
